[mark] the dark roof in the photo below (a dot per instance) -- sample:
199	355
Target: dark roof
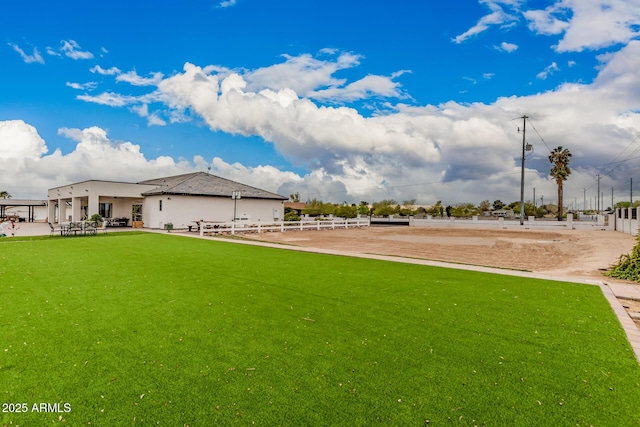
204	184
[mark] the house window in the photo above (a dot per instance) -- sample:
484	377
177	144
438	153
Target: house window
104	209
160	206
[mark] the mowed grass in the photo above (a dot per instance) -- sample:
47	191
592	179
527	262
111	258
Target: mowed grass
151	329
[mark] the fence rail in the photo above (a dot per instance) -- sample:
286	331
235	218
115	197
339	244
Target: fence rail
279	226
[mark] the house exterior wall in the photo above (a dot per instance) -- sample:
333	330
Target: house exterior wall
87	195
183	211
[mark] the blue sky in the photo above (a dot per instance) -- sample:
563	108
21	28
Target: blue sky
343	101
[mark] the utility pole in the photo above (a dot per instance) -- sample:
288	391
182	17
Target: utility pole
524	130
598	202
630	192
611	199
584	201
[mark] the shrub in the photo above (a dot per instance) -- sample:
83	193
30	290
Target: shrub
291	216
628	266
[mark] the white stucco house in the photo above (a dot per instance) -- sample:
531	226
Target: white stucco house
180	200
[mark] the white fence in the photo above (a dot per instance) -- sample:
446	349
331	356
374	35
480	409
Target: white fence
626	220
207	227
598	222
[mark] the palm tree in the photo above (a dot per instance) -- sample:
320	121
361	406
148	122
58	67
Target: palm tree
5	194
560	171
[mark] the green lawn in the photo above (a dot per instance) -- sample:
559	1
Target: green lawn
157	329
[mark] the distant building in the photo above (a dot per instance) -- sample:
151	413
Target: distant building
296	207
504	213
23	210
180	200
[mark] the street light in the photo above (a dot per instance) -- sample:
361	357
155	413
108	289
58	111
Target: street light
525	147
236	195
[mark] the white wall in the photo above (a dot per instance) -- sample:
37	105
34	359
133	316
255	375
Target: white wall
183	211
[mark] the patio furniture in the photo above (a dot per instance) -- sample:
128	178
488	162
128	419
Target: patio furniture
90	227
103	227
54	229
74	227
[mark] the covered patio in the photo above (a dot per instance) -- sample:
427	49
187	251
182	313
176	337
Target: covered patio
116	202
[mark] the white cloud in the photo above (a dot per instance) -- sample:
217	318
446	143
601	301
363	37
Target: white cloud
548	70
303	74
587	24
26	170
105	72
111	99
134	79
453	152
71	49
52	52
227	3
362	89
507	47
154	119
35	57
83	86
498	17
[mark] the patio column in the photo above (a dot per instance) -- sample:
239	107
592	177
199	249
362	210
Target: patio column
76	209
51	210
94	201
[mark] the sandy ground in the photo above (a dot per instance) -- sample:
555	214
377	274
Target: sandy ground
567	253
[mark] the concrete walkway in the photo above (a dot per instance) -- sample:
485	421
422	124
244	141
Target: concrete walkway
612	290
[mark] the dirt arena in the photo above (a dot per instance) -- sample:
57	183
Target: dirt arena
570	253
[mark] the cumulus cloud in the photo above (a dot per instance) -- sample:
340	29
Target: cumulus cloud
452	151
35	57
303	74
587	24
28	170
582	24
448	151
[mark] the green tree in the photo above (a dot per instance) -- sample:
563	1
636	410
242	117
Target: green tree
363	208
313	208
408	207
560	171
484	206
437	209
462	210
385	207
5	194
346	211
295	197
497	205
